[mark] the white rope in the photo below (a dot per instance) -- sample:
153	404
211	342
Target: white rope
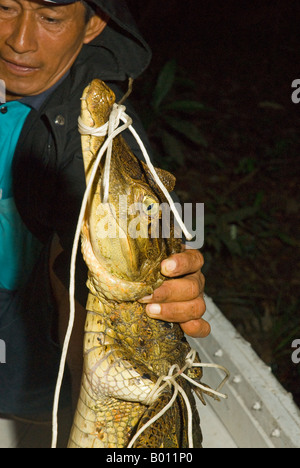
160	184
170	380
118	113
97	132
111	129
72	284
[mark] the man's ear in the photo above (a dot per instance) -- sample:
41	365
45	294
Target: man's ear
95	27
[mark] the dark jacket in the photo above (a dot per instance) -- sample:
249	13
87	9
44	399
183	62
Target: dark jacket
48	169
49	183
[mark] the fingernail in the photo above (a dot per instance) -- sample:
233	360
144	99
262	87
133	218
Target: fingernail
169	266
154	309
146	299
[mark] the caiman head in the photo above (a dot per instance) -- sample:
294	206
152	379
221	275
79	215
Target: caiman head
124	241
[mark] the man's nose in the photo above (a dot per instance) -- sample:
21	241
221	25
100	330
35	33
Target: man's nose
23	39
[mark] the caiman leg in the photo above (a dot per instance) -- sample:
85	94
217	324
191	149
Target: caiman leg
108	378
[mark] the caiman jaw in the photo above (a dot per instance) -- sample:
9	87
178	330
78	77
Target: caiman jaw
123	256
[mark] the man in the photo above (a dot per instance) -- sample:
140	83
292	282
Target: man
49	52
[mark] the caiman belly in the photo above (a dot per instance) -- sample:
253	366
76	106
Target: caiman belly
125	352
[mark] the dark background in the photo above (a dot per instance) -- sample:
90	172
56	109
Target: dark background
242	58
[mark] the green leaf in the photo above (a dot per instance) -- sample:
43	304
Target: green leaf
164	83
173	148
259	199
188	129
186	83
286	239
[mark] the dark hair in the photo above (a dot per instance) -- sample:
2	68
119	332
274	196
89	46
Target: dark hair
89	11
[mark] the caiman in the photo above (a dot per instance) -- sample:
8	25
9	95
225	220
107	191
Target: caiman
125	351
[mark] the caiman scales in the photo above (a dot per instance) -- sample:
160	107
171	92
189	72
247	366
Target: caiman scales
125	351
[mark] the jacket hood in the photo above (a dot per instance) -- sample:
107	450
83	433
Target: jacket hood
120	42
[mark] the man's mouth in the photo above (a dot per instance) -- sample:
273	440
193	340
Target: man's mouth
19	68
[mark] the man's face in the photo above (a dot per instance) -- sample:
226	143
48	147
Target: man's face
39	42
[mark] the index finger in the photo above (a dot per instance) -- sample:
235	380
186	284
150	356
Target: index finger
185	263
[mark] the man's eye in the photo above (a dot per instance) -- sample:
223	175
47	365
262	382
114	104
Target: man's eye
50	20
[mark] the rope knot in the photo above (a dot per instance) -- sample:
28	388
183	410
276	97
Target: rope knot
111	129
171	380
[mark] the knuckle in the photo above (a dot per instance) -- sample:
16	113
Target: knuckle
207	329
202	283
197	328
200	308
196	259
163	293
200	259
184	311
194	288
170	312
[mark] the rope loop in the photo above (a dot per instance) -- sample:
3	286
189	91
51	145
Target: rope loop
118	114
170	380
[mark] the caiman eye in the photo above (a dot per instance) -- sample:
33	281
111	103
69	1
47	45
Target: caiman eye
150	206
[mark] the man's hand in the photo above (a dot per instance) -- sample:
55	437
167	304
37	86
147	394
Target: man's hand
181	299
